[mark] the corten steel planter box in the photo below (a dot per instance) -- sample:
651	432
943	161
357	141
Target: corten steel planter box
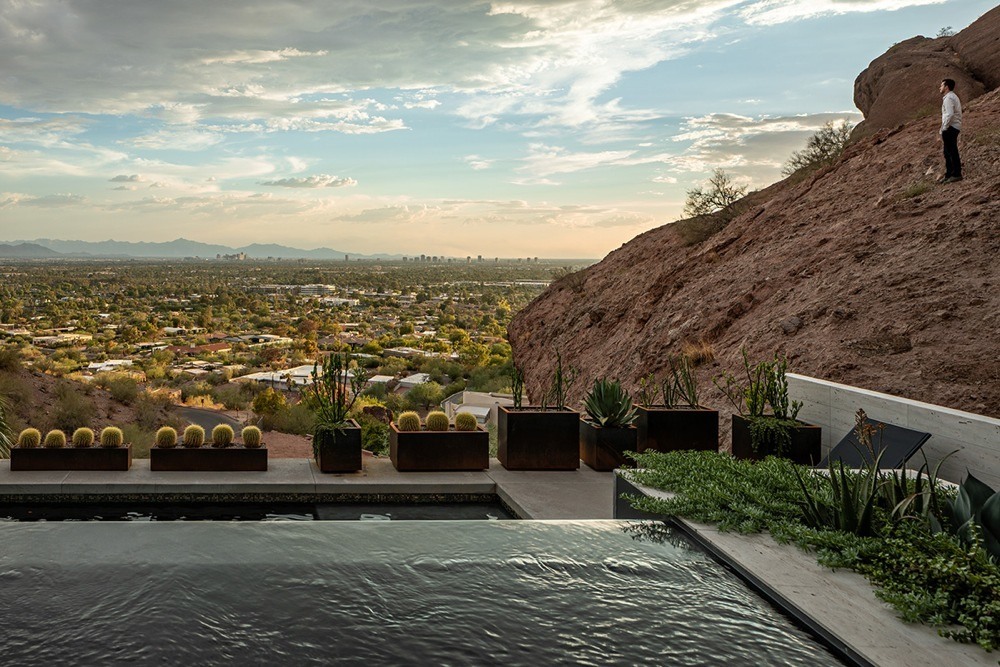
806	443
531	438
670	429
71	458
208	459
603	449
339	451
439	451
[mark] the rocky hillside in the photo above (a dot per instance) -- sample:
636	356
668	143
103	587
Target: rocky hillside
866	272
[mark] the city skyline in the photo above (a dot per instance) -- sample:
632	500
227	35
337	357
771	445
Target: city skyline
558	129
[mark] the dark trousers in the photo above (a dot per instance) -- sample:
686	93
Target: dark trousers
952	163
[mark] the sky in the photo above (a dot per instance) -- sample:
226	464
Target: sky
550	128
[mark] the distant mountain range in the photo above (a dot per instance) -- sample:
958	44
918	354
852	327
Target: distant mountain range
54	248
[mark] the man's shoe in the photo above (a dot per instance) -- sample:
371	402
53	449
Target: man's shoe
952	179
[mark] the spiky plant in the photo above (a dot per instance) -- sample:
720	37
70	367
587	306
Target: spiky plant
112	437
609	405
466	421
437	421
6	434
55	439
335	388
194	436
222	435
408	421
83	437
251	437
166	438
30	438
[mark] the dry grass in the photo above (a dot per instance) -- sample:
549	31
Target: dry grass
698	353
916	189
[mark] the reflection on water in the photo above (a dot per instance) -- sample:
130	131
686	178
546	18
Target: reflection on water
378	592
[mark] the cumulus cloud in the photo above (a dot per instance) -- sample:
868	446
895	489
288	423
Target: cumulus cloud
477	163
127	178
317	181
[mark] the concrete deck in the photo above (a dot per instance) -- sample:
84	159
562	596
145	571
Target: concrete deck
838	604
578	494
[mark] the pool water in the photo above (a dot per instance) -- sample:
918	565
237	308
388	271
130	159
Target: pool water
380	592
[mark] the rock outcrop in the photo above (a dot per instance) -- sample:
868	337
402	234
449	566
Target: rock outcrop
902	84
866	272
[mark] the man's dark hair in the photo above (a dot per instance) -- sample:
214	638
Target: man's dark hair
950	83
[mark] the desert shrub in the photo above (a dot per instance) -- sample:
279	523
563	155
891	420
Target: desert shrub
408	421
465	421
30	438
718	195
83	437
698	353
141	439
437	421
822	149
123	389
251	437
268	404
295	418
10	360
374	434
222	435
916	189
233	397
194	436
425	395
71	409
55	439
112	436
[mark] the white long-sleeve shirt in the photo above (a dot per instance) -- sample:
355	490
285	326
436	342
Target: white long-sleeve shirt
951	111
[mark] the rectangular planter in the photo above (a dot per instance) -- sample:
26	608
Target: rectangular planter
806	443
531	438
71	458
208	459
670	429
339	451
603	449
439	451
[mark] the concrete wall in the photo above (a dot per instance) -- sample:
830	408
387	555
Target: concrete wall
976	438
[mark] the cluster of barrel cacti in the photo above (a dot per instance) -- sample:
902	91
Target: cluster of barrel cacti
194	436
436	421
82	438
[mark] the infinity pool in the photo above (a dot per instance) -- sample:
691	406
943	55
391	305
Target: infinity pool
427	593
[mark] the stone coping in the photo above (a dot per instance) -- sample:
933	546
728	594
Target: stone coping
838	605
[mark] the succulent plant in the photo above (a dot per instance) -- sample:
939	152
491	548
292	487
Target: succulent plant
30	438
83	437
437	421
609	405
222	435
55	439
251	437
465	421
166	438
409	421
194	436
111	437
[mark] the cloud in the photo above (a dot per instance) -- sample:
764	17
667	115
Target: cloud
258	56
317	181
177	140
770	12
544	160
45	201
127	178
478	163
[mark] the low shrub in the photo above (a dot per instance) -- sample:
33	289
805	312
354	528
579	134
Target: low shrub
83	437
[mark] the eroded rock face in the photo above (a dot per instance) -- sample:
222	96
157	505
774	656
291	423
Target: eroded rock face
867	273
902	84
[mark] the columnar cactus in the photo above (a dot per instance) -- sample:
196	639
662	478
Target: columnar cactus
409	421
55	439
83	437
437	421
166	438
194	436
30	438
465	421
112	436
251	437
222	435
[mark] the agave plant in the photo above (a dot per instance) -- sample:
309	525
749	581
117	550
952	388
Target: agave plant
976	509
849	504
609	405
5	431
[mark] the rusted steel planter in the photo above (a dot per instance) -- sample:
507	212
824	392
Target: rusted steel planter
603	449
71	458
338	451
670	429
208	459
439	451
806	446
531	438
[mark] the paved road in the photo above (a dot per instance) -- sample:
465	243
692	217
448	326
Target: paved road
207	419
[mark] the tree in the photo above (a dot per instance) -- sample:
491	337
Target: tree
822	149
268	404
425	395
718	194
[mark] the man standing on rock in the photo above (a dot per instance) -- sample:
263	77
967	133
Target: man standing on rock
951	123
